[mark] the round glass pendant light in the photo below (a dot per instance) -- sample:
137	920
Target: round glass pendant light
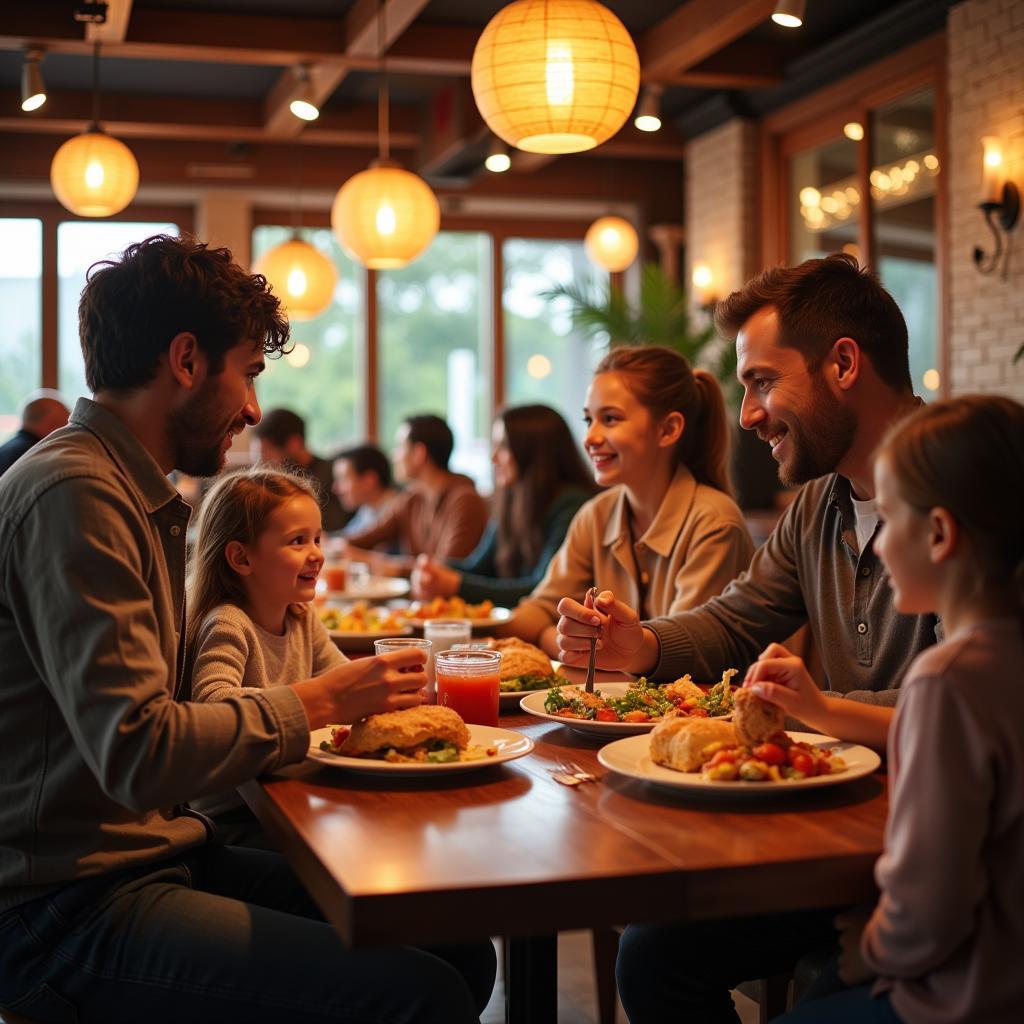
94	174
385	216
555	76
301	275
612	243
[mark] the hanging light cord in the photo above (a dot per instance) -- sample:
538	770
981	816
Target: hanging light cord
95	87
382	95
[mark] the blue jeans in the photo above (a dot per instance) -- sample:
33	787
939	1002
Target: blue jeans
683	972
219	935
828	999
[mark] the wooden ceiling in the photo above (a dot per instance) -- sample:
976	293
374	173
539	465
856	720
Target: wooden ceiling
200	90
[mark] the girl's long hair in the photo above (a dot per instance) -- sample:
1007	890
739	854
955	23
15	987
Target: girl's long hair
236	508
966	455
549	461
663	382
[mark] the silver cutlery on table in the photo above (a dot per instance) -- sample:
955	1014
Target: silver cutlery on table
569	773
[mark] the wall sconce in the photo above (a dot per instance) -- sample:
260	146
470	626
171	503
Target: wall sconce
1000	205
703	287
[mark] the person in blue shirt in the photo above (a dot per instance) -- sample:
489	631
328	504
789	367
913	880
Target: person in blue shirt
540	482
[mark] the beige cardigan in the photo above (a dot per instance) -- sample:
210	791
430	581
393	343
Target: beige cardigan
697	544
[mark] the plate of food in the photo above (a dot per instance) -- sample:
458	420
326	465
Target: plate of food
751	754
371	588
524	669
355	627
481	616
631	706
424	740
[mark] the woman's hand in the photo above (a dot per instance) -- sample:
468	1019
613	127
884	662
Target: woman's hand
366	686
851	925
782	678
616	625
432	578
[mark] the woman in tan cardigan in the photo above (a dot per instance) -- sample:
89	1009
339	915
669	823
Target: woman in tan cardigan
666	534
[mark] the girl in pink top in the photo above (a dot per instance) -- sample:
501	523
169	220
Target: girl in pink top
945	941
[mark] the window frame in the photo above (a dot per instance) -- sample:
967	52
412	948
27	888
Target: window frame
819	118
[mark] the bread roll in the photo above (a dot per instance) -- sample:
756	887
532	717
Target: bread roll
678	742
756	720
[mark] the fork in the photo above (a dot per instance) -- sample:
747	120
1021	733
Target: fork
588	602
577	772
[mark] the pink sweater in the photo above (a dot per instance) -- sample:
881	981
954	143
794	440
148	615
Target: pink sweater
947	937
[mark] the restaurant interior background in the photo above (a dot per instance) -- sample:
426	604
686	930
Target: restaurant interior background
860	130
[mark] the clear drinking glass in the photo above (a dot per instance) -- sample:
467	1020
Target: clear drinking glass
468	682
396	643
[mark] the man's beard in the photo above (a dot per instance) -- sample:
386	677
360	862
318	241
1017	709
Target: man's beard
819	439
197	432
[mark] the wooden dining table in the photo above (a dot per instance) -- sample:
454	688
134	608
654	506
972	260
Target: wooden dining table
507	850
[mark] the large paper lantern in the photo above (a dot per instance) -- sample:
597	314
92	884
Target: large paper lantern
612	243
385	216
94	174
555	76
301	276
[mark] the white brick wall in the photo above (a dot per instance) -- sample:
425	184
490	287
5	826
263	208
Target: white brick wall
719	203
986	97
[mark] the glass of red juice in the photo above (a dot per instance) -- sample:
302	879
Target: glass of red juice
468	682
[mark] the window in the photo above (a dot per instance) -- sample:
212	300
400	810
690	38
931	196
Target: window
21	344
546	360
435	336
824	201
79	245
905	169
321	379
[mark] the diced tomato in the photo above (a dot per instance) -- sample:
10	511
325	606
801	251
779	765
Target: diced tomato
802	762
606	715
339	734
770	753
697	713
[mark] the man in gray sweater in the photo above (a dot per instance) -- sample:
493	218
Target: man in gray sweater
823	359
115	900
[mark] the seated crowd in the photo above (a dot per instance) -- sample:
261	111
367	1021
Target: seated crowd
141	685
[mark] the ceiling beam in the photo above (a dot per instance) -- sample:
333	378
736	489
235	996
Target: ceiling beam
740	65
362	29
696	31
168	117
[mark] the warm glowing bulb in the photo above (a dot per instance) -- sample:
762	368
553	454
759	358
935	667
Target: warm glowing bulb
702	276
931	379
386	220
809	196
787	20
299	356
538	366
559	74
648	123
33	102
297	283
853	130
304	110
94	174
498	162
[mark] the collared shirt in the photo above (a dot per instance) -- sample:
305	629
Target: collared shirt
96	755
810	570
696	544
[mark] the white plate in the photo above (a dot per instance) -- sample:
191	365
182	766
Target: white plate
510	746
631	757
511	699
497	617
376	588
533	703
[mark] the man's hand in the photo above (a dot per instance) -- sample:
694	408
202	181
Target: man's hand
432	578
852	969
616	625
366	686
